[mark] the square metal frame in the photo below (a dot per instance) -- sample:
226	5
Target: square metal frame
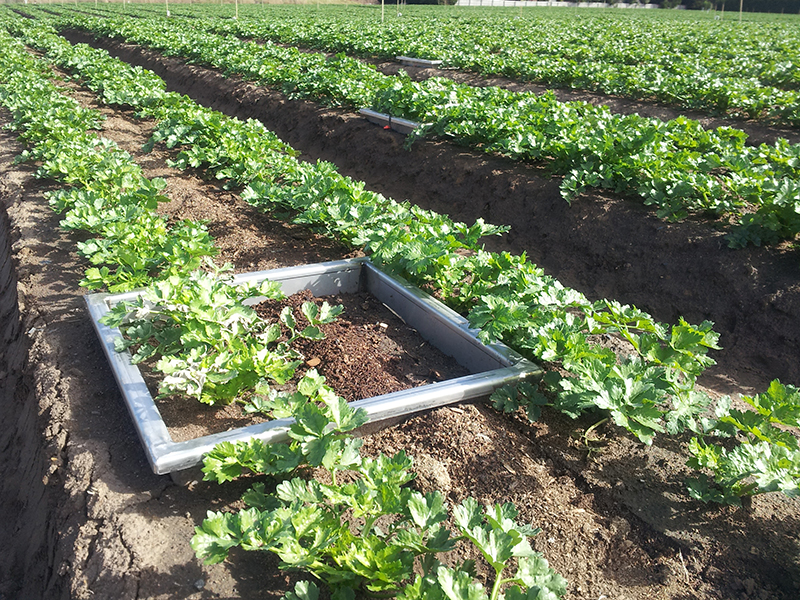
492	365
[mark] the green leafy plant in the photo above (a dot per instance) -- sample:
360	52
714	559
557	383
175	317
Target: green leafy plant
678	166
764	456
364	530
508	298
210	344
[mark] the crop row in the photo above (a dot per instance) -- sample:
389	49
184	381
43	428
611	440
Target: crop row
327	529
750	71
421	245
647	392
677	166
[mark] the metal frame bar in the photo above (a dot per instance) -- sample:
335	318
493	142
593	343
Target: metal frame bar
492	365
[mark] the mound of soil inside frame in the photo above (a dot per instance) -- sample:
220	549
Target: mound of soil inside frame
89	519
366	351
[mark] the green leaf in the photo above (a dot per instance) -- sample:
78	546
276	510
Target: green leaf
287	318
312	332
535	573
505	399
468	514
458	585
311	383
310	311
428	510
221	464
781	403
301	490
343	415
256	497
218	533
303	590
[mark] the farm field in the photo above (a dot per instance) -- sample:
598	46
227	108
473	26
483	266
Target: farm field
676	166
615	515
700	64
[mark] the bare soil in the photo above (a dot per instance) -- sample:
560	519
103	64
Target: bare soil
602	245
87	519
366	352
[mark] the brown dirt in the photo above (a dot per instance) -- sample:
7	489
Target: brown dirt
88	519
758	131
602	245
367	351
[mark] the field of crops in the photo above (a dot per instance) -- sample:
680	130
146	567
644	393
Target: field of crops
619	385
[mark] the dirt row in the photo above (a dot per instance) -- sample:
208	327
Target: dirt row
757	131
93	522
603	246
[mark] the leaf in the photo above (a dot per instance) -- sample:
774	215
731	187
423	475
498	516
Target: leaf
495	315
300	490
310	384
505	399
428	510
343	415
468	514
535	573
686	412
303	590
781	403
218	533
458	585
439	540
702	488
221	464
287	318
343	593
318	451
312	332
310	423
328	313
256	497
348	456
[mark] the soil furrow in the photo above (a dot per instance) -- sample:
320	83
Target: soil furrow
759	132
619	525
601	245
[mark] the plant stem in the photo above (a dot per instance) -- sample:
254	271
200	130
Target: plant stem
496	587
591	429
368	523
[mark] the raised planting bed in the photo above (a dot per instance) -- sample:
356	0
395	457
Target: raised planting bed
399	125
410	61
490	366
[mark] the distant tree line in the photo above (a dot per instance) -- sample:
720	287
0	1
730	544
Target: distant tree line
770	6
773	6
